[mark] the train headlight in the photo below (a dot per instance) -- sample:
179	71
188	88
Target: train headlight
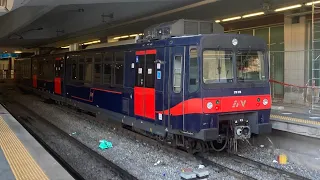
265	102
209	105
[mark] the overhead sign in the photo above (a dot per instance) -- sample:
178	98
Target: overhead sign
8	55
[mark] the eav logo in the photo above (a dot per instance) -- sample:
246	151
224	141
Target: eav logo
236	103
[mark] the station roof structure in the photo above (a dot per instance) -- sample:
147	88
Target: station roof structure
33	23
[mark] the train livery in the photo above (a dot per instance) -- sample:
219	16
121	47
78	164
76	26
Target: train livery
197	92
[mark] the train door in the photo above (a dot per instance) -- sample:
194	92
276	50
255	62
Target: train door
176	92
144	89
58	74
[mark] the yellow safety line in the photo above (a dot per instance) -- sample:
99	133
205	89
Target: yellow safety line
21	162
286	118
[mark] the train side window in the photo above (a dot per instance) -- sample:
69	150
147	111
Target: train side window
149	73
97	69
88	70
107	67
74	69
177	68
193	71
118	68
81	68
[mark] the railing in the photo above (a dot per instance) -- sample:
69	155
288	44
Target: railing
291	77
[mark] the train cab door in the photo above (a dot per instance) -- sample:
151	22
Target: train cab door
144	88
58	74
176	90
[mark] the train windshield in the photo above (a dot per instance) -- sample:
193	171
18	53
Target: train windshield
250	66
217	66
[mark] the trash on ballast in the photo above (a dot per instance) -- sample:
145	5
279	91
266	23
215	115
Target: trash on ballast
74	133
105	144
201	166
261	145
275	161
186	170
282	159
157	163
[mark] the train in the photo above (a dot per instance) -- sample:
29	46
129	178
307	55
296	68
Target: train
184	82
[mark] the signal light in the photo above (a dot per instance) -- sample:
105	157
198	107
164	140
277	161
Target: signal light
258	104
217	107
258	99
217	102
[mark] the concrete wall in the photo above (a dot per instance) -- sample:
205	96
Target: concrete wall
295	49
295	66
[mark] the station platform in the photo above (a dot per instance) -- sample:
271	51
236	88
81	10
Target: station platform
22	157
295	119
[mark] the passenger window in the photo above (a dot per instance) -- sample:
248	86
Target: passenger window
81	72
107	65
118	72
74	70
149	72
97	71
177	67
107	74
193	71
118	68
88	70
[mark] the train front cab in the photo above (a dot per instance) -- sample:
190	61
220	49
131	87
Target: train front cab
235	89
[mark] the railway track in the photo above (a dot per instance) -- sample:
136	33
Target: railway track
265	167
27	118
218	167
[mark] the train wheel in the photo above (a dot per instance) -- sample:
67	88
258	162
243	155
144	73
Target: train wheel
218	146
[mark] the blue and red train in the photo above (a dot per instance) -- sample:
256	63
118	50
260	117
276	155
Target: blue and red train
197	91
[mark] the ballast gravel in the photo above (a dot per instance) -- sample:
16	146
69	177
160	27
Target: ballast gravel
140	159
148	162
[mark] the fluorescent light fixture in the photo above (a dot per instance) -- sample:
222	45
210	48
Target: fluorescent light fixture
288	7
117	37
217	21
124	36
92	42
65	47
310	3
253	14
231	19
134	35
17	52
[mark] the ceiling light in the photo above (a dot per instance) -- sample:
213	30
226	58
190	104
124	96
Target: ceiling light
124	37
231	19
65	47
288	7
92	42
217	21
117	37
17	52
310	3
134	35
140	34
253	14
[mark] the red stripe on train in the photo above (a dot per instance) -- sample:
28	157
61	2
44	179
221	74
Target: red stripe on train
213	105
